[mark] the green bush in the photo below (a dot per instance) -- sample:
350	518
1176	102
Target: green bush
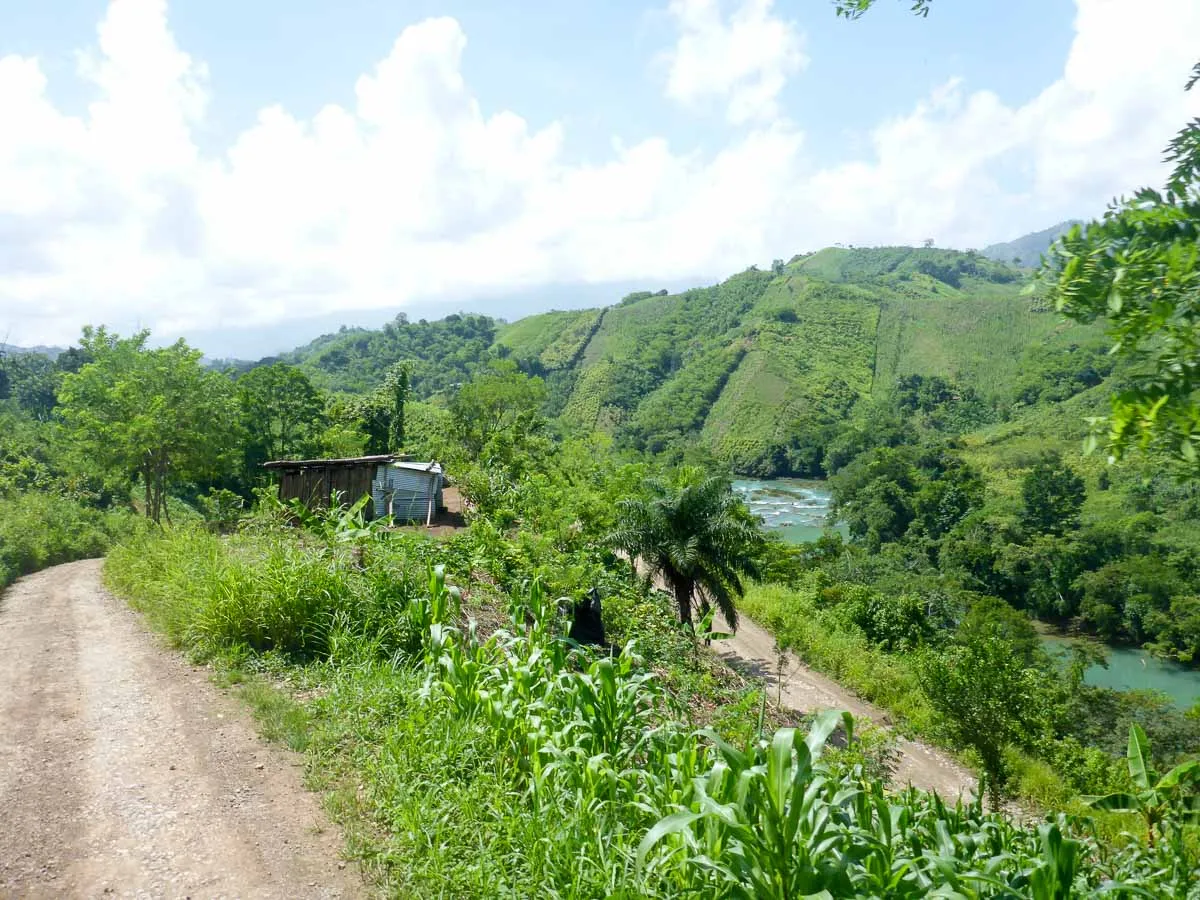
39	530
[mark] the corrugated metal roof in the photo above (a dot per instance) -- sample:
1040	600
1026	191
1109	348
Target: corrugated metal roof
329	463
434	468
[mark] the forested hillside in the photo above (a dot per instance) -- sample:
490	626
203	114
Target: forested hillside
760	369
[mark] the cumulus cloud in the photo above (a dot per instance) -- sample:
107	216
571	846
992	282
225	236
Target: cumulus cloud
414	193
743	60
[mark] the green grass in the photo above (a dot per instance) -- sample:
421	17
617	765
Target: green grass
508	766
40	529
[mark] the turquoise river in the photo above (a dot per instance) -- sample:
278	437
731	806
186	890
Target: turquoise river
797	510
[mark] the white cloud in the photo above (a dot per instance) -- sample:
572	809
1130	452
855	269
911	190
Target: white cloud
743	61
1095	133
414	193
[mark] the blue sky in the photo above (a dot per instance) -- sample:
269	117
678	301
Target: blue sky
590	65
220	168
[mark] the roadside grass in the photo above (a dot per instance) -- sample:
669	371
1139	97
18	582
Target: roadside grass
513	765
38	530
427	806
885	679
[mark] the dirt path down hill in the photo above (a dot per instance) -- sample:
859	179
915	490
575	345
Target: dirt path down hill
752	651
125	773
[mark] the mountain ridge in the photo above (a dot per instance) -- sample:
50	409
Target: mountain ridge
1028	249
756	370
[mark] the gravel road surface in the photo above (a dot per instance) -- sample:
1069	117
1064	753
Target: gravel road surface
124	772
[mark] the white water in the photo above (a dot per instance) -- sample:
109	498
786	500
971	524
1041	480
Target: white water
797	509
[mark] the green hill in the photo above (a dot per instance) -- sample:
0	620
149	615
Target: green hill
1027	250
759	369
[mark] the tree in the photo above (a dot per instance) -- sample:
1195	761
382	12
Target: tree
853	9
500	399
32	382
697	535
281	409
1139	269
373	415
1159	800
399	389
1053	494
155	414
873	495
986	697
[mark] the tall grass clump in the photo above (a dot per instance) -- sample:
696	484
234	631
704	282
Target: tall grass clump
266	592
43	529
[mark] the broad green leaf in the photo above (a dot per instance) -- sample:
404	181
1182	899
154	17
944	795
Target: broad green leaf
1119	802
823	726
1181	774
1139	757
670	825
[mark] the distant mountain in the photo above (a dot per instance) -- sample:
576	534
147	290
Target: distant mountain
14	350
1027	250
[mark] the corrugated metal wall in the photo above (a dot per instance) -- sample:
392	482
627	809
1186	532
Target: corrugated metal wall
408	490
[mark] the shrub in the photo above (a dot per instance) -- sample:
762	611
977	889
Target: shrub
39	530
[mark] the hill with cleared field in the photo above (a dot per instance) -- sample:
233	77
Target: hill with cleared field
759	369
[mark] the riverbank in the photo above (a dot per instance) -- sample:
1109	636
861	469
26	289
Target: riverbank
1129	668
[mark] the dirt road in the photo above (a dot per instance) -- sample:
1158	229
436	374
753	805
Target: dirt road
125	773
752	651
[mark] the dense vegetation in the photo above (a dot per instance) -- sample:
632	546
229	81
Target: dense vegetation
475	752
50	512
761	370
947	404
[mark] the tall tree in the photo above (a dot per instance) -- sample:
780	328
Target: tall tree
398	385
501	398
154	414
281	409
1139	269
697	535
1053	494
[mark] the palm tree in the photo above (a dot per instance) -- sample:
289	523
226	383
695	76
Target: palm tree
696	535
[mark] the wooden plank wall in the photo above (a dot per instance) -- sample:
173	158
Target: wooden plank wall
313	485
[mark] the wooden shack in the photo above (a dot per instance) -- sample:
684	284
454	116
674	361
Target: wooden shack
313	481
405	490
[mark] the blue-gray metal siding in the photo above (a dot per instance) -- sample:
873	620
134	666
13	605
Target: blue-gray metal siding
409	491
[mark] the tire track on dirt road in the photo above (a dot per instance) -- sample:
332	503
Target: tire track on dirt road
125	773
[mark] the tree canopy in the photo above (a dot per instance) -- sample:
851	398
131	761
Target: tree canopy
696	534
282	411
153	414
1138	269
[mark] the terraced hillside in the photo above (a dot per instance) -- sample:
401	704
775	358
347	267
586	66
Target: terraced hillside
760	368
